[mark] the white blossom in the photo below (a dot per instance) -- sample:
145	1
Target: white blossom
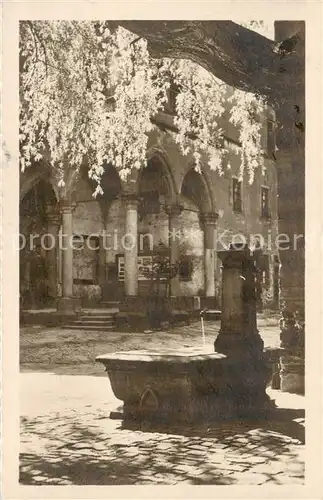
89	95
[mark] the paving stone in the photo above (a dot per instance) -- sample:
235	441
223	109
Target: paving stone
283	478
295	468
39	479
268	468
249	478
227	466
232	453
198	448
253	460
164	446
188	469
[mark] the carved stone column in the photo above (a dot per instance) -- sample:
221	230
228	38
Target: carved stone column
53	225
209	221
247	370
102	262
173	211
290	162
130	244
67	303
291	222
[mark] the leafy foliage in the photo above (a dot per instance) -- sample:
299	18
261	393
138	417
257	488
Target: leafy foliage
88	95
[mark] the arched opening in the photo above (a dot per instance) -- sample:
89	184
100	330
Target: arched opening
156	190
196	188
195	252
35	208
91	216
111	183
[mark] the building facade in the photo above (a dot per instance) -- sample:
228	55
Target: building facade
166	212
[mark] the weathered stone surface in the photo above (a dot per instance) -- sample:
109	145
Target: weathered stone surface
182	386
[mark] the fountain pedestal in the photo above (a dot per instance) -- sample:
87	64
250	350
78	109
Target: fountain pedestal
194	384
239	338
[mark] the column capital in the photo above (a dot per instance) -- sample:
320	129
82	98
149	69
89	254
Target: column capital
67	206
174	210
130	200
53	214
54	219
235	256
209	218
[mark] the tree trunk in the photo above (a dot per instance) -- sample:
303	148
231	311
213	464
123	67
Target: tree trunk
250	62
240	57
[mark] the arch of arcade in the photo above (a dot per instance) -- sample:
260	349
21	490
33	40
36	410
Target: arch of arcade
166	208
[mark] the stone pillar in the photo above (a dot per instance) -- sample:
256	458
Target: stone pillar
130	245
209	221
238	320
67	303
102	262
173	211
247	371
53	225
290	165
291	222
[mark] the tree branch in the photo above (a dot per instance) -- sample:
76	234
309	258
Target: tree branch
240	57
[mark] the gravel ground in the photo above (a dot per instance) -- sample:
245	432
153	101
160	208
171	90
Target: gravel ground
42	347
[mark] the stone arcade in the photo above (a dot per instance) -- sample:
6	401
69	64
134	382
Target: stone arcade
166	208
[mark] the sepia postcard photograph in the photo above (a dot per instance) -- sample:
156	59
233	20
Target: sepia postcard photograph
161	250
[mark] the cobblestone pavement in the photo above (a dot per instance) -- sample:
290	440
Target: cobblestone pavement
67	438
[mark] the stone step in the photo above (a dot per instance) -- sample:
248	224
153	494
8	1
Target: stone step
103	328
95	317
99	312
93	322
212	314
107	304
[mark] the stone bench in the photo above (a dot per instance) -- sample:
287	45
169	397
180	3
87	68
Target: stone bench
212	315
135	320
177	316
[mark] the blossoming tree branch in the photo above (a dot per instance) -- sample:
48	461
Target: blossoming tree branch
90	92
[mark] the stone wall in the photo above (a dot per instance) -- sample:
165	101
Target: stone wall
192	245
90	218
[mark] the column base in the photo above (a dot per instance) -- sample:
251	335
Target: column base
199	409
248	373
238	343
292	374
68	305
175	287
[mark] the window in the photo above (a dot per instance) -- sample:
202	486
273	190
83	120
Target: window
237	194
271	142
149	203
121	268
85	259
265	272
265	202
185	268
145	266
263	268
170	106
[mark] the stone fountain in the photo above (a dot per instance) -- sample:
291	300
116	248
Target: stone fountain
197	384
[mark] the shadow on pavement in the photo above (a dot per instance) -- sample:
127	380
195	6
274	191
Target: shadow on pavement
143	454
280	420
